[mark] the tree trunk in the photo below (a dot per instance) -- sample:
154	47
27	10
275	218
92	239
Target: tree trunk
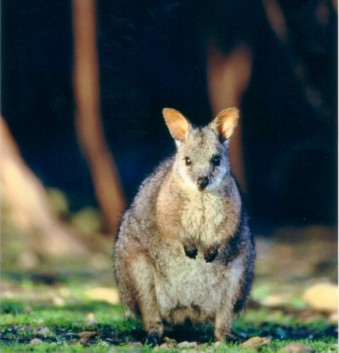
25	202
88	121
228	76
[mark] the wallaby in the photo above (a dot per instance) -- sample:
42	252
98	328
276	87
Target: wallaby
184	251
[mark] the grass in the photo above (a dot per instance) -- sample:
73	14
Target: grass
61	319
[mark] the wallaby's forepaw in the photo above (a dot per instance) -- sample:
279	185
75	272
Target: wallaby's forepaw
191	252
152	339
211	253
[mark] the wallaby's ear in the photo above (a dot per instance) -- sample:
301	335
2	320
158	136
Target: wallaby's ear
225	123
177	124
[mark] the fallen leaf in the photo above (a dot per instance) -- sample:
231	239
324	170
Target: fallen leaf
296	348
108	295
87	334
85	341
323	297
85	337
256	342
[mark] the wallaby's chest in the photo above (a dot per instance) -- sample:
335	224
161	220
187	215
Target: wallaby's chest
202	217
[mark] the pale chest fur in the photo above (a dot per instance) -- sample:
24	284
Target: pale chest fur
202	218
207	218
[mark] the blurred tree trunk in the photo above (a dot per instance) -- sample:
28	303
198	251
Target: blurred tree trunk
88	120
25	202
228	76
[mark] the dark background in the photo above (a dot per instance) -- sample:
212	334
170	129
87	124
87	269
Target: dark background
153	55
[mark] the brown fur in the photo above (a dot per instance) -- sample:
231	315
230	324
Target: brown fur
184	250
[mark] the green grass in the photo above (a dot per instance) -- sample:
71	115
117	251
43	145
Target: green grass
34	313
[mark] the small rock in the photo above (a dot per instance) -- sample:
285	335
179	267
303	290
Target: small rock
170	341
134	344
186	344
322	296
296	348
36	341
44	332
162	346
256	342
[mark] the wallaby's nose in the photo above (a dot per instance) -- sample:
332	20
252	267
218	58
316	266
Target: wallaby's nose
202	182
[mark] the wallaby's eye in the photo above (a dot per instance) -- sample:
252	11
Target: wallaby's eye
216	161
188	161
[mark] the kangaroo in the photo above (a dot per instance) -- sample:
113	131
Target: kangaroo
184	250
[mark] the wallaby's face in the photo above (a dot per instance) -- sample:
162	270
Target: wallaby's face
201	161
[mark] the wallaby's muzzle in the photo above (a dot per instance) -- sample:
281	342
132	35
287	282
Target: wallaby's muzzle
202	182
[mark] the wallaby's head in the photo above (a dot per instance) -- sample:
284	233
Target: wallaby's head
202	161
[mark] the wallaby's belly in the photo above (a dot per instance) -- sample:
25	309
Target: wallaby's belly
192	288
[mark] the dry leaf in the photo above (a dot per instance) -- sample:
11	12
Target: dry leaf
256	342
87	334
323	297
108	295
